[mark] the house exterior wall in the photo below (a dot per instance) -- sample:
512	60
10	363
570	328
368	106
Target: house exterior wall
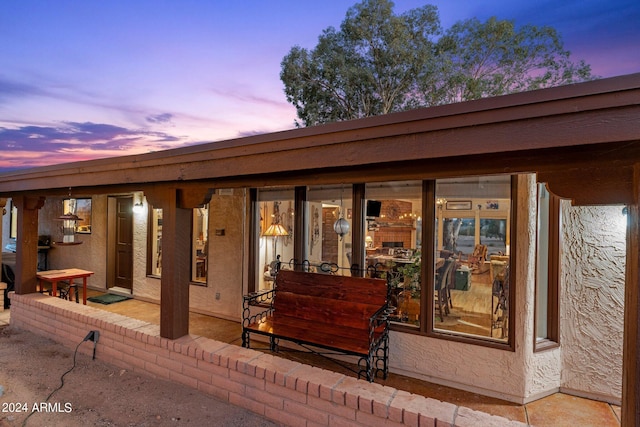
592	301
284	391
222	295
91	254
513	376
588	363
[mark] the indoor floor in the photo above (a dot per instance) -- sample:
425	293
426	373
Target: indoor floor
553	411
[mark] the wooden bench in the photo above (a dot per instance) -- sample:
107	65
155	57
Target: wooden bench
342	314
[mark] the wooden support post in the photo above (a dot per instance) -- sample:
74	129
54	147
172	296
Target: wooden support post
176	273
631	352
300	238
176	206
27	243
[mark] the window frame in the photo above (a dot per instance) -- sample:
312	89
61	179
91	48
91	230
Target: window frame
151	235
428	266
426	327
552	340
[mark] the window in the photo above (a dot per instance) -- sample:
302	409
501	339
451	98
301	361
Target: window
393	243
154	266
275	232
329	242
199	247
472	248
547	265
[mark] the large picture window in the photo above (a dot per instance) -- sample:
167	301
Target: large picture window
472	248
393	242
329	242
275	233
455	285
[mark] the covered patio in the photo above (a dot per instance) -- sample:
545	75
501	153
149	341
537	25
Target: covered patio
581	140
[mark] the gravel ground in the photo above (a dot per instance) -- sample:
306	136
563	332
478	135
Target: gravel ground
95	393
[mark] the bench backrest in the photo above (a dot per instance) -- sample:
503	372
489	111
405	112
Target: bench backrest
339	300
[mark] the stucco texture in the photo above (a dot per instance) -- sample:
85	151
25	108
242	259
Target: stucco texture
592	300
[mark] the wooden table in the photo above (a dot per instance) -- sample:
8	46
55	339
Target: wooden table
70	274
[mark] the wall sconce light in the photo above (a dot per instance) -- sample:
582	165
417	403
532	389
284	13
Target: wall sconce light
138	205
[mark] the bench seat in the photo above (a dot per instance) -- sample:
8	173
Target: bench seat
338	338
338	313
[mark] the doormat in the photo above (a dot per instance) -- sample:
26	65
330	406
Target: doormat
107	299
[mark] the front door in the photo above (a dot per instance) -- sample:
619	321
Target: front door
122	243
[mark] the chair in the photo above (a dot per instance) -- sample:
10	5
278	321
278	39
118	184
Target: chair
477	258
65	290
500	302
9	278
442	291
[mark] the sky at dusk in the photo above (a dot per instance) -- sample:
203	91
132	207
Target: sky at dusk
91	79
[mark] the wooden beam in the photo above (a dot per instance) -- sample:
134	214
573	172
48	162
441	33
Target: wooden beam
573	116
631	348
190	198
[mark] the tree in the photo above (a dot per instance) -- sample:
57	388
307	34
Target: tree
481	59
370	67
378	63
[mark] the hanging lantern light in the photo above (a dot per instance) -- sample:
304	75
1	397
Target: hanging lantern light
341	226
69	227
69	221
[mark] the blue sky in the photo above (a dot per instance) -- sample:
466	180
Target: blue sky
91	79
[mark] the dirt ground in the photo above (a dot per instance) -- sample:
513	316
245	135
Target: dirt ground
95	393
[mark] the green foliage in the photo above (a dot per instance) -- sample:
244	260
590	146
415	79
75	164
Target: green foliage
379	62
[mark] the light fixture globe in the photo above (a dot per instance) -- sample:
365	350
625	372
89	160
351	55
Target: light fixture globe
341	226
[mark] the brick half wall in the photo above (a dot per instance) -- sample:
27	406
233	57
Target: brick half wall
287	392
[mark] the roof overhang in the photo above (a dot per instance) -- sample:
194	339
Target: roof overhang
581	138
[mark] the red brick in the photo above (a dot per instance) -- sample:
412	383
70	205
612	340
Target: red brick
216	370
248	380
285	392
214	391
243	402
307	412
284	418
268	399
332	408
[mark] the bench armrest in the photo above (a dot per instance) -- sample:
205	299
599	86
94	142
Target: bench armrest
262	299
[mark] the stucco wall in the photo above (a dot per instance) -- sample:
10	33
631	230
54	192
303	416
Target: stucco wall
91	254
222	295
592	301
499	373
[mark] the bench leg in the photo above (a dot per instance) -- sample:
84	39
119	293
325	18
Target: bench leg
245	339
273	344
385	357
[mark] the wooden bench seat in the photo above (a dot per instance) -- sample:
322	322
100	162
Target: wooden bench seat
338	313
